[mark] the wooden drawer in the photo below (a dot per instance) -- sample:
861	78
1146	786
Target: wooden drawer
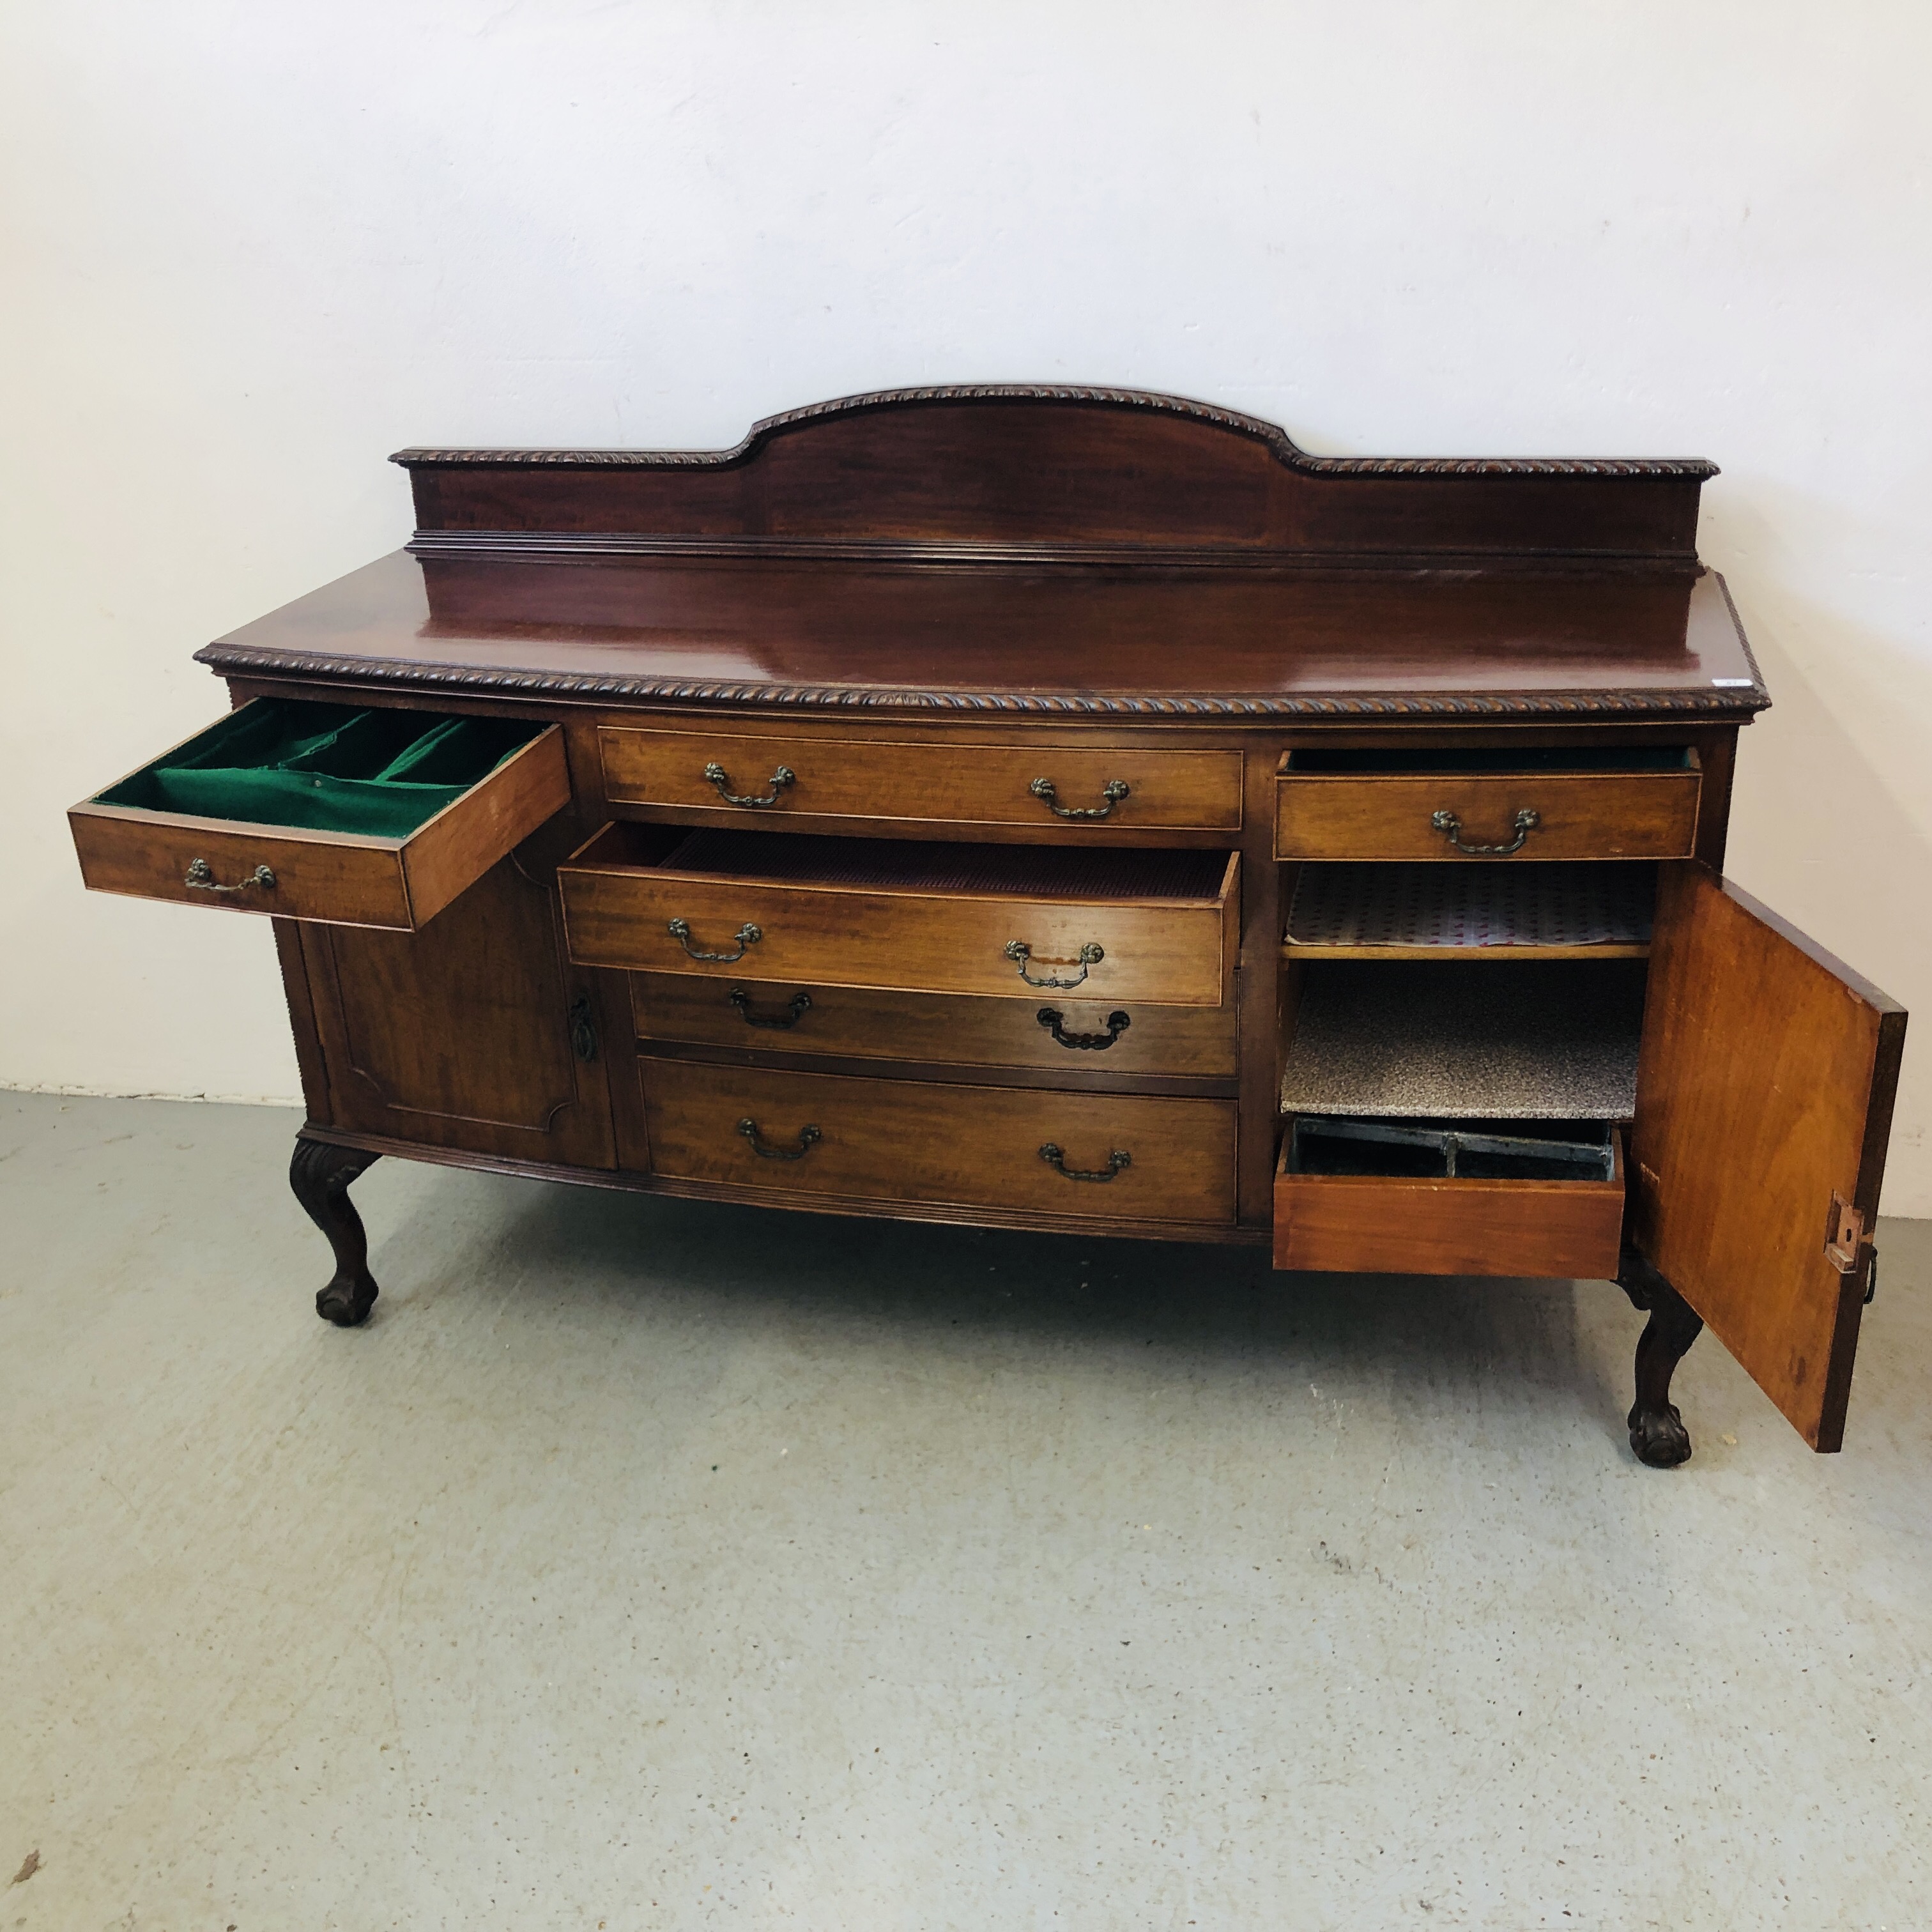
1113	924
970	1147
131	838
1054	1030
1339	805
1378	1224
949	784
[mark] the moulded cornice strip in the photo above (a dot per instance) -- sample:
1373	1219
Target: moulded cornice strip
1275	438
240	659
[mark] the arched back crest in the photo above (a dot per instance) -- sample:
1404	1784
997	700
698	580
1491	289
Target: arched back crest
1079	475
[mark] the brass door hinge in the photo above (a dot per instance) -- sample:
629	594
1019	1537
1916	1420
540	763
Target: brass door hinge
1844	1235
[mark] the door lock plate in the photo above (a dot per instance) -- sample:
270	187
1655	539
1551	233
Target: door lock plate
1844	1235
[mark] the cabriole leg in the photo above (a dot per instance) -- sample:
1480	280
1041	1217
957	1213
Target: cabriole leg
319	1174
1657	1431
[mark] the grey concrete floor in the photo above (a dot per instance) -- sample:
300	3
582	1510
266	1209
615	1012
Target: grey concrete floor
645	1564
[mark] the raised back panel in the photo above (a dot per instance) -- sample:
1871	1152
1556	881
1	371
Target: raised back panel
1044	472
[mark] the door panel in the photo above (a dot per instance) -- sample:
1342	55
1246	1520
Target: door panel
1765	1088
462	1034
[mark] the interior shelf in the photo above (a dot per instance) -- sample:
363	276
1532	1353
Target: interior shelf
1594	910
1555	1041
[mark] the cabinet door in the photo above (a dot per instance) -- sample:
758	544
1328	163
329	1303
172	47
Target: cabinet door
1765	1088
469	1033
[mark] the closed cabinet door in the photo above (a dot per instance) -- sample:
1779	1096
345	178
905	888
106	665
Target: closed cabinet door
474	1033
1765	1088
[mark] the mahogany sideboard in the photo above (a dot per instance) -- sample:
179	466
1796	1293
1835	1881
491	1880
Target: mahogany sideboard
1056	808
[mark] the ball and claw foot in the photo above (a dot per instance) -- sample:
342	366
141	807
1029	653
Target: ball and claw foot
319	1174
1657	1435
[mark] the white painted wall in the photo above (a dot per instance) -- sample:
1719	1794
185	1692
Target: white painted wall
251	249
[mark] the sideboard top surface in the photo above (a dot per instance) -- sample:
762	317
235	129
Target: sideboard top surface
1012	550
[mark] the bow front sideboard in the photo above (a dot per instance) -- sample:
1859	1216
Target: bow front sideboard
1061	809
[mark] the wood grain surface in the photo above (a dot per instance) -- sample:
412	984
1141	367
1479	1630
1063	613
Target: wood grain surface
919	1141
1177	951
964	784
1566	1229
869	1023
1765	1085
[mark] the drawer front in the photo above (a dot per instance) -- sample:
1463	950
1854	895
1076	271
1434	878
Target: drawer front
963	784
1142	1158
1180	952
1582	815
1055	1031
1368	1225
341	877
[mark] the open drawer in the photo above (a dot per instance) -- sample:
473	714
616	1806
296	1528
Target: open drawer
351	815
905	916
1585	802
1404	1197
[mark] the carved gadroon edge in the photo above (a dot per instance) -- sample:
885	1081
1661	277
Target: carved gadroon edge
1276	439
239	660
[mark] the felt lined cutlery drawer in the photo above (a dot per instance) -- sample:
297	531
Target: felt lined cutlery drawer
355	816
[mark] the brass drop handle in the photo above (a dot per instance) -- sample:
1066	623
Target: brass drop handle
808	1138
1054	1020
1451	827
1057	1160
784	775
800	1005
201	876
1019	951
748	935
1113	791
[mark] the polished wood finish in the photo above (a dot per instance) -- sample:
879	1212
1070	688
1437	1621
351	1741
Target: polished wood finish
912	1141
1765	1086
1375	1225
619	912
1072	643
463	1034
966	786
864	1023
346	878
1579	815
920	602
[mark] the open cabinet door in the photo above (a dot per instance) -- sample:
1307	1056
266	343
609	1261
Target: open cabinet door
1765	1088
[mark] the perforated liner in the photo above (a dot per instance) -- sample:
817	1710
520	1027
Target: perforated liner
1454	905
1055	872
1541	1040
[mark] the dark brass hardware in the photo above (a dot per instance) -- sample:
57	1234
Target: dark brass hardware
1113	791
747	935
807	1138
1844	1234
1451	827
784	775
796	1010
1052	1019
1019	951
583	1032
201	876
1057	1160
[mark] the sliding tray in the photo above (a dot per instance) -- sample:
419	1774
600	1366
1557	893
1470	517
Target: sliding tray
1605	802
907	915
349	816
1380	1197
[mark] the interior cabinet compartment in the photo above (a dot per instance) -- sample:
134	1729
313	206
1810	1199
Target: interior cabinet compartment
1020	921
353	815
1439	803
1340	911
1545	1040
1078	787
1445	1120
